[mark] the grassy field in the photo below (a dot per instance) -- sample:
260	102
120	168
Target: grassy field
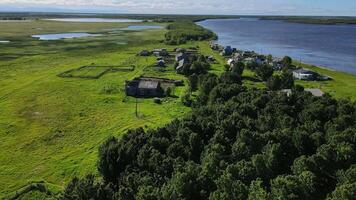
51	127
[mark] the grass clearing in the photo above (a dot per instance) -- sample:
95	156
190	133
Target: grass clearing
51	127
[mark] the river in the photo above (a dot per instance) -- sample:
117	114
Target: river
331	46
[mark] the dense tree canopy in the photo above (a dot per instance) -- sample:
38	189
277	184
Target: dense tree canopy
238	143
182	31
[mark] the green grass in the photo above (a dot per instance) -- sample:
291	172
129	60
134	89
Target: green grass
343	84
51	127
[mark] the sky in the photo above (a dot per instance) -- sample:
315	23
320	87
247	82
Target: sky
219	7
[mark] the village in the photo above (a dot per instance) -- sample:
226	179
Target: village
182	59
233	56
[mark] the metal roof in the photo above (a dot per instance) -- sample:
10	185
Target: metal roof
145	84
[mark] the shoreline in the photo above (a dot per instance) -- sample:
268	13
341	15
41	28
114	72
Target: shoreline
309	64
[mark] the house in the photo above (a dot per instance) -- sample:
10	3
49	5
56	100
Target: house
237	57
145	53
276	64
181	56
231	62
160	52
143	88
247	54
181	64
161	63
227	51
214	46
210	58
303	74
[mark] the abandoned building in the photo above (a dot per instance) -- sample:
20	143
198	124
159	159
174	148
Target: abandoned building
144	88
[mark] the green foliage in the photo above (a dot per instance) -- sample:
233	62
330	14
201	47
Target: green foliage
237	144
278	82
195	65
238	68
287	62
182	31
264	72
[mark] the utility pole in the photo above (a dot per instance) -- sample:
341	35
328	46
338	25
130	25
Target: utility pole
136	96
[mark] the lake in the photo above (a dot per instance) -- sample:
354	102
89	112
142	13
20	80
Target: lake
91	20
331	46
59	36
142	27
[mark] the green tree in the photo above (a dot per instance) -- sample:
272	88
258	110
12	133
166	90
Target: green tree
274	83
238	68
264	72
287	62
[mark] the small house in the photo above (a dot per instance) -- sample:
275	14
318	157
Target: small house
181	64
231	62
160	52
303	74
181	56
227	51
161	63
145	53
210	58
143	88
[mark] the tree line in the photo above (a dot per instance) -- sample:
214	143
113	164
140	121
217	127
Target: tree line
180	32
237	143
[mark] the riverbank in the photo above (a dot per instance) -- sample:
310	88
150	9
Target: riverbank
313	20
341	86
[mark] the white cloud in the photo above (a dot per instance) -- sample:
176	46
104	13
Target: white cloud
176	6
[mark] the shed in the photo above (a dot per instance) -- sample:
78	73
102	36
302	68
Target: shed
144	88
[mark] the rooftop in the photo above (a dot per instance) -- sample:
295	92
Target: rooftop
145	84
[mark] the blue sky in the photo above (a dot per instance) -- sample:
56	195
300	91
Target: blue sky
242	7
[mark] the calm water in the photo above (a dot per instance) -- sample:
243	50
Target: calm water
332	46
94	20
142	27
59	36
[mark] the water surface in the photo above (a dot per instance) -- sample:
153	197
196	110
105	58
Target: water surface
141	27
94	20
332	46
59	36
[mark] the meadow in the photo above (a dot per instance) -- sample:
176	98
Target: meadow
51	127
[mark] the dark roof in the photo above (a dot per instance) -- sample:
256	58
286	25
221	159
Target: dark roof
144	84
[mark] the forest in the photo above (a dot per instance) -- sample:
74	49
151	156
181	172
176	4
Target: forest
180	32
237	143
